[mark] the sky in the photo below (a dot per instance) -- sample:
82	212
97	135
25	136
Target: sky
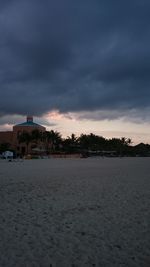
77	66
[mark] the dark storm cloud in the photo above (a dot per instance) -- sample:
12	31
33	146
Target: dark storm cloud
74	56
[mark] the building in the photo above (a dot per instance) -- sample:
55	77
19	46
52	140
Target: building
12	137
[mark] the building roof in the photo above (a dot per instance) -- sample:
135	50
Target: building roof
29	122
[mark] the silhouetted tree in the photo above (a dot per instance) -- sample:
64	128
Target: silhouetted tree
92	142
71	144
52	139
36	136
26	138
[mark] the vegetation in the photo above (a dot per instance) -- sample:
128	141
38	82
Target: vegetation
89	144
26	138
4	147
86	144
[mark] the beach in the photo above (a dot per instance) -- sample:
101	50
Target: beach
75	212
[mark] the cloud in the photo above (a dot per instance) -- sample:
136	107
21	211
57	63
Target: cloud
11	120
85	56
100	115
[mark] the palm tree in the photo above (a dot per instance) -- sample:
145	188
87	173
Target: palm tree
36	135
92	142
26	138
72	140
52	139
71	144
84	141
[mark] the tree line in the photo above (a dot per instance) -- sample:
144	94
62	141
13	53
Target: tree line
87	144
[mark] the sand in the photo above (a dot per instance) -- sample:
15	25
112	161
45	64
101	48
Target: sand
75	212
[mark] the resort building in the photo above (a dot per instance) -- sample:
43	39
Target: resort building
12	137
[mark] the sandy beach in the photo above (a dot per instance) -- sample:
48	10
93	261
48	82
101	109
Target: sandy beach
75	212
